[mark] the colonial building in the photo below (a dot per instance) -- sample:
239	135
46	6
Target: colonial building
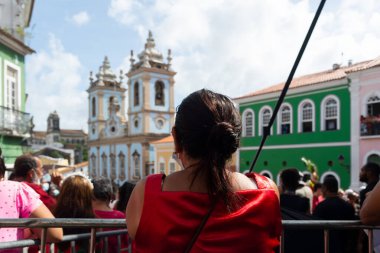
163	153
63	142
15	123
319	120
123	121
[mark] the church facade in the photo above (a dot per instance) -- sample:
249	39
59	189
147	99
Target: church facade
125	119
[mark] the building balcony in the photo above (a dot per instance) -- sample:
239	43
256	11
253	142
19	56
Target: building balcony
15	123
370	126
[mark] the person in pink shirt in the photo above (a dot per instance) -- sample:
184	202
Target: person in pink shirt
18	200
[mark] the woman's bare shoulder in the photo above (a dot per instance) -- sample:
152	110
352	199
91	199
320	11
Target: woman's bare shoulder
241	182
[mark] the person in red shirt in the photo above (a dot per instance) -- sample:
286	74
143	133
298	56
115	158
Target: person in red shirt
29	169
241	213
102	197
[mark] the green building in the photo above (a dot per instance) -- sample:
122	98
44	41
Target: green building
313	122
15	123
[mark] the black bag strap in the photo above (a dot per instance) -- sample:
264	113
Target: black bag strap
199	228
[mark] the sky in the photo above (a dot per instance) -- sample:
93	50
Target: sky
233	47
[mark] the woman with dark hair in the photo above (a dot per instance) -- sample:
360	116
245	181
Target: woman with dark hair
124	193
205	207
75	201
103	196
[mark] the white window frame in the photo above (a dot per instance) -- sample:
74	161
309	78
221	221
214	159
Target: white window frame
323	112
365	101
265	107
332	173
368	154
18	84
300	111
279	118
245	112
267	172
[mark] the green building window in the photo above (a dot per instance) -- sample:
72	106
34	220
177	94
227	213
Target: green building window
331	113
248	123
307	117
285	120
265	118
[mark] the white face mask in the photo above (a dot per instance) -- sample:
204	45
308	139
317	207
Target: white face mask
55	192
175	157
45	186
36	179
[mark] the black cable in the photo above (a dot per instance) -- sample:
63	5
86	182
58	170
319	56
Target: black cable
266	131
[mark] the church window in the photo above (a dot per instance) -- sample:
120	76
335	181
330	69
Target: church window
93	164
104	164
93	107
113	166
121	166
159	93
136	94
136	163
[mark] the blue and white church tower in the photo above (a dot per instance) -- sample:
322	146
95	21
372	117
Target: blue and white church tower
120	134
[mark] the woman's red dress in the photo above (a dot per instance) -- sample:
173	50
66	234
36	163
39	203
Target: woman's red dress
169	219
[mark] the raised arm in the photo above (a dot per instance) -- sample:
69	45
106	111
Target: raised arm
370	211
53	234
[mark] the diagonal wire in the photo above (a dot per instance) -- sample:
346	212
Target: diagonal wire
266	131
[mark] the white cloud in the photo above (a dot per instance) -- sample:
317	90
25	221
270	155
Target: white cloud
54	81
238	46
80	18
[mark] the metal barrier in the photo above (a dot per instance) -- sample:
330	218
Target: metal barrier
327	225
44	224
93	224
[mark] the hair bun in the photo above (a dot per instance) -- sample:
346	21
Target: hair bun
224	139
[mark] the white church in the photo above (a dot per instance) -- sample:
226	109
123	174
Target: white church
119	134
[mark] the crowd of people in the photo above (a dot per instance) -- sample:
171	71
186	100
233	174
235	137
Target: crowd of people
205	207
25	195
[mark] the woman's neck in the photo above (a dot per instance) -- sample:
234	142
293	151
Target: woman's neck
101	205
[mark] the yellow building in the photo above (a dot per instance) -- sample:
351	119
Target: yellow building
163	152
164	162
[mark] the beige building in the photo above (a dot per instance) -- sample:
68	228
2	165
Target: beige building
57	140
